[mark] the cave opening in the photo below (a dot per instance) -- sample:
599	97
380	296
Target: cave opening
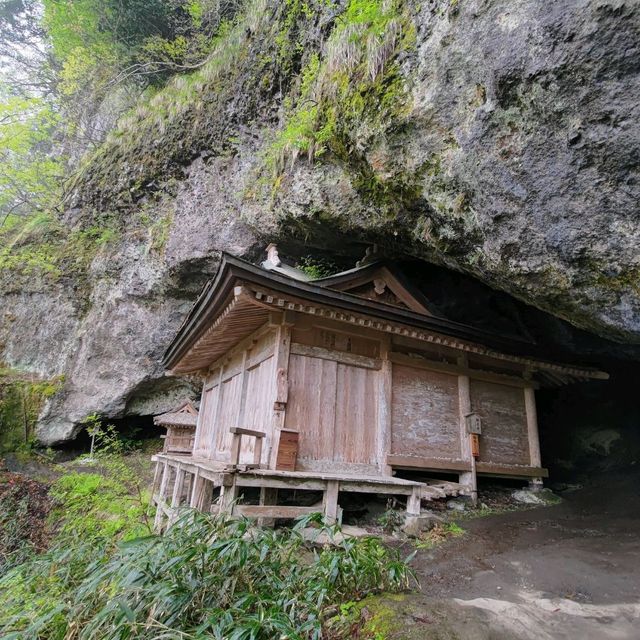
591	428
135	431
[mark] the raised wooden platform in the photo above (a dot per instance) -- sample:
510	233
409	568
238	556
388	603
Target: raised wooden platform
415	463
182	480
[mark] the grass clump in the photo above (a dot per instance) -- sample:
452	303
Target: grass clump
41	248
355	80
208	576
98	508
438	534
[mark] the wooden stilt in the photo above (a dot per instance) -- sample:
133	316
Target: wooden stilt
268	496
196	488
186	488
157	477
160	500
177	495
206	496
228	496
414	502
330	501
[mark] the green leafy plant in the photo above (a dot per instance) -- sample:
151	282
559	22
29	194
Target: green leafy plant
206	577
316	267
356	78
391	520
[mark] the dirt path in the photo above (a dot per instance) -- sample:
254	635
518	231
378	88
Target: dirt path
570	571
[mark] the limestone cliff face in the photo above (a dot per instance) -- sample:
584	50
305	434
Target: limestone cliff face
499	138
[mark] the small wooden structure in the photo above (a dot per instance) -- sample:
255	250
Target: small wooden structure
181	428
336	384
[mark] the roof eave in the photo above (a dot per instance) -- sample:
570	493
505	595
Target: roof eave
216	295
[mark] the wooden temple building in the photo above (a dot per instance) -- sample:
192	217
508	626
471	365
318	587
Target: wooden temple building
342	384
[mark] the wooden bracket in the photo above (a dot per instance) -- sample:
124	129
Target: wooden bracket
282	388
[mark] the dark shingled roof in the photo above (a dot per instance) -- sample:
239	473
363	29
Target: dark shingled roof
228	301
184	416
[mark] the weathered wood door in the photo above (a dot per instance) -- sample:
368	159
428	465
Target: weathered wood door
502	410
424	413
334	408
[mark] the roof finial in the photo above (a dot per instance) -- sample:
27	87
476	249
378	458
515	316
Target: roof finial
272	255
370	255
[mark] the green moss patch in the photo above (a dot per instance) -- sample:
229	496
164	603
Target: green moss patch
21	398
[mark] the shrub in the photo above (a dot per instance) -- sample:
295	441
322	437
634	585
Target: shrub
24	505
208	576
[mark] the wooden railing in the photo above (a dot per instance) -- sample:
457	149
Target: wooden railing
236	445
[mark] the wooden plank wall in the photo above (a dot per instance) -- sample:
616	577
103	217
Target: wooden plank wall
229	407
259	405
240	389
208	405
502	409
339	389
334	408
424	413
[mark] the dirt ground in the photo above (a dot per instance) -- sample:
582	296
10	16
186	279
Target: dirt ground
569	571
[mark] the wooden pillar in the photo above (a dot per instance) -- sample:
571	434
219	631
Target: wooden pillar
196	489
385	391
414	502
206	496
228	494
160	500
532	432
236	445
177	494
268	496
197	444
330	502
243	392
157	477
282	351
188	487
464	401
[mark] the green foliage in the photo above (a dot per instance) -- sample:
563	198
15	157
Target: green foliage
316	267
391	520
102	42
98	508
41	246
29	173
357	79
21	398
206	577
108	505
159	232
289	45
